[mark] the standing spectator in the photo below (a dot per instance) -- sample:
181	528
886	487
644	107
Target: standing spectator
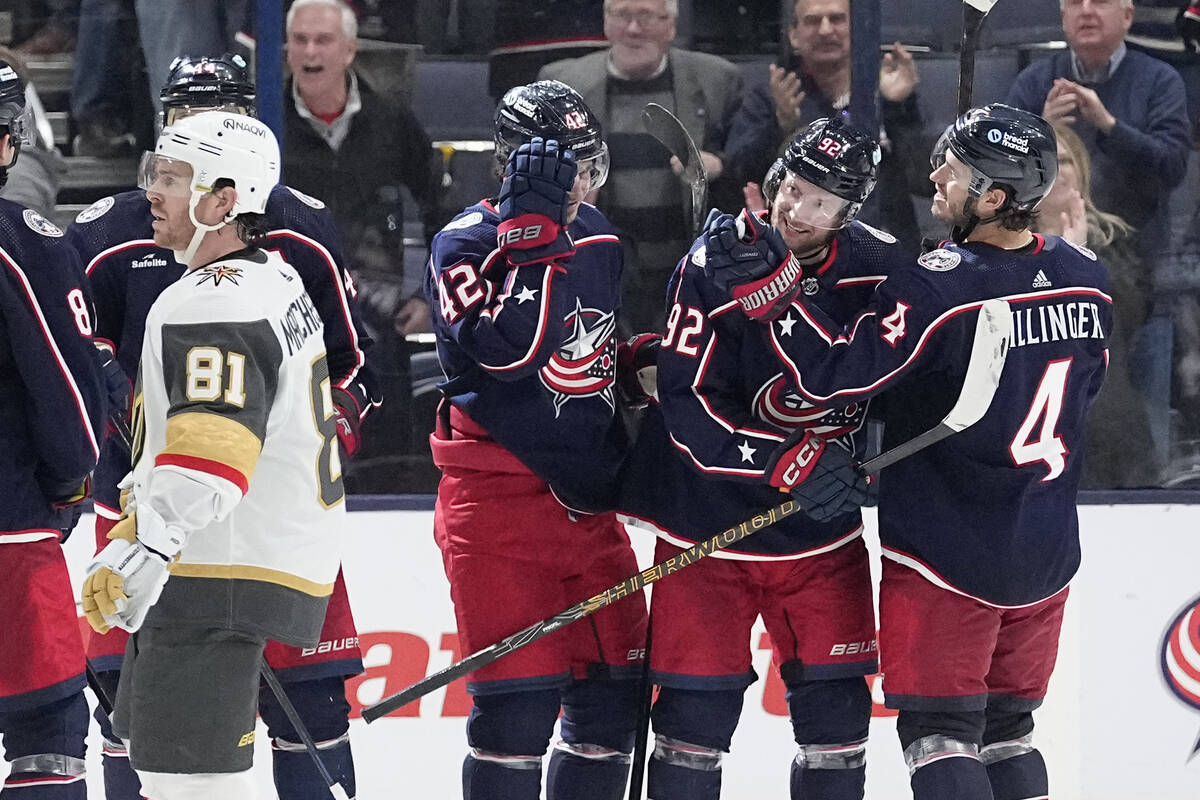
813	82
108	108
1131	111
356	148
1118	428
980	531
526	335
533	33
170	28
54	404
644	199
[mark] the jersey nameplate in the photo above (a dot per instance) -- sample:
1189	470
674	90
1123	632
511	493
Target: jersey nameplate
40	224
939	260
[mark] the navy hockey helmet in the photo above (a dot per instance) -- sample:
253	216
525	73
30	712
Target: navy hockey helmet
203	82
551	110
1005	148
833	155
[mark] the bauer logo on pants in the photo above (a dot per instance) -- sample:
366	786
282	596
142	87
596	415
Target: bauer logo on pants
1180	657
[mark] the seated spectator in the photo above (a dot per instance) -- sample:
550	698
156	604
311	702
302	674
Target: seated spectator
33	179
1118	427
1129	109
355	148
814	82
643	198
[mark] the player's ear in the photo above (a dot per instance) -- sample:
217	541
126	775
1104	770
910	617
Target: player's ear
992	202
226	195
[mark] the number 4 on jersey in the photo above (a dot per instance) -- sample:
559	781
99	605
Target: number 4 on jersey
1047	406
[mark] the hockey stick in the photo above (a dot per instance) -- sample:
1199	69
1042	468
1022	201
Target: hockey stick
272	680
988	351
637	766
666	127
974	12
93	682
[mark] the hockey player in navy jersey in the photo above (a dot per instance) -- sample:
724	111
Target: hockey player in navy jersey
733	416
232	531
525	295
979	531
127	271
54	404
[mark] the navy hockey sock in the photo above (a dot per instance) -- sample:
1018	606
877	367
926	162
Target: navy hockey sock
827	784
957	777
120	781
1020	778
296	776
674	782
600	775
521	779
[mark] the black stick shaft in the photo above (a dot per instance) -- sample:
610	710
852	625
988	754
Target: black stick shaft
285	702
93	682
972	20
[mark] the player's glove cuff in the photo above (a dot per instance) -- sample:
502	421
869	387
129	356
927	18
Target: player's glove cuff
533	239
794	460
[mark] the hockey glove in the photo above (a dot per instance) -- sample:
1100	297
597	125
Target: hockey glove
349	422
533	203
126	578
821	475
116	383
67	501
747	259
637	369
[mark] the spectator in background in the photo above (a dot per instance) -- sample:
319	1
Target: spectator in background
643	197
813	82
1118	428
33	180
1130	110
57	34
108	89
355	148
533	33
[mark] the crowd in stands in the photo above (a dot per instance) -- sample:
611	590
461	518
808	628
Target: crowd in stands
1121	89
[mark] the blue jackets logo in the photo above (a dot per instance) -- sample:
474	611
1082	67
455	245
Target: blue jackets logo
1180	657
586	363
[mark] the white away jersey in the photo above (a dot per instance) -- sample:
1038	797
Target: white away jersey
237	446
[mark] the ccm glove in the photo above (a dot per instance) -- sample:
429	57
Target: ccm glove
126	578
747	259
533	203
821	475
637	369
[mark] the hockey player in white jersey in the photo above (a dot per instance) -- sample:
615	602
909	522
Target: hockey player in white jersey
233	529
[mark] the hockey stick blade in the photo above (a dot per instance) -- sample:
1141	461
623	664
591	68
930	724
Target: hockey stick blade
988	352
669	131
983	6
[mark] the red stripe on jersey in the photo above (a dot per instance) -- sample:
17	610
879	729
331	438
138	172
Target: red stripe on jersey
205	465
76	395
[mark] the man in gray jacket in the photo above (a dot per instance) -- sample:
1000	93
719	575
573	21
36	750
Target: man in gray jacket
643	197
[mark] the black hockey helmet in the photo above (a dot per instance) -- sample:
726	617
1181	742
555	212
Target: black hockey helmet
15	116
207	82
1006	148
551	110
833	155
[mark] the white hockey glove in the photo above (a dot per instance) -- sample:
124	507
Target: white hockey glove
126	578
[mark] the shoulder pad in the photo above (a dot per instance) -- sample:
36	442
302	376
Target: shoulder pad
40	224
1082	250
940	260
96	210
882	236
311	202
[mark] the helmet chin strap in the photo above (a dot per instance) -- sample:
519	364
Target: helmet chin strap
185	256
959	233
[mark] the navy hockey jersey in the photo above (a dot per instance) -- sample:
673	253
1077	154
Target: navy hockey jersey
530	352
988	512
728	404
127	272
52	397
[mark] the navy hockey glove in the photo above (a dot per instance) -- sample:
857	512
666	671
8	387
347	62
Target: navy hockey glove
637	369
533	203
116	383
821	475
747	259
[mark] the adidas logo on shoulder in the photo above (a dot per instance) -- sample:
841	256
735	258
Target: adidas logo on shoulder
1040	281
